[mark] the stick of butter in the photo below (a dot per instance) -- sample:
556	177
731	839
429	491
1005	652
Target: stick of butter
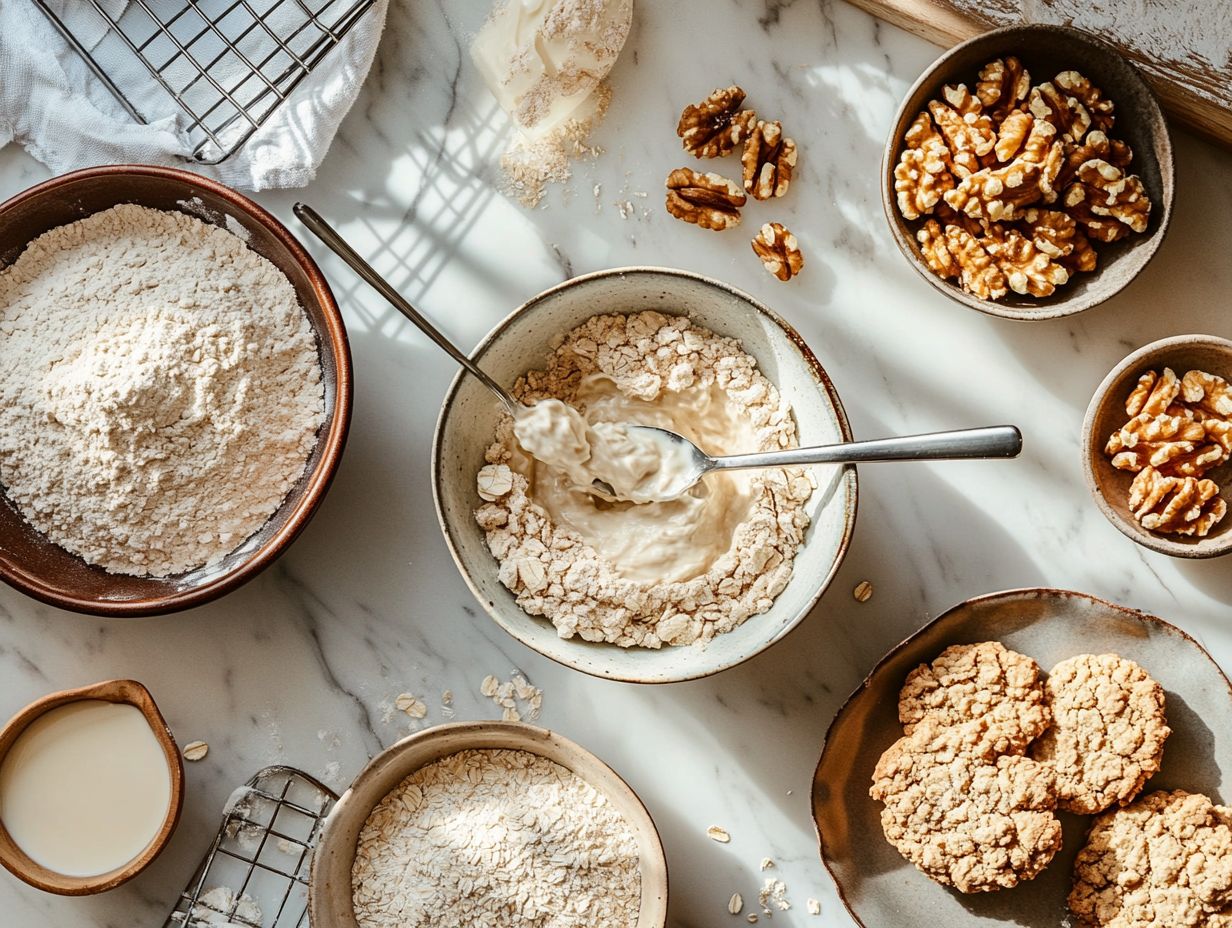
543	58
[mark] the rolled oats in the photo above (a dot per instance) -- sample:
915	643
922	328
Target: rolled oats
715	833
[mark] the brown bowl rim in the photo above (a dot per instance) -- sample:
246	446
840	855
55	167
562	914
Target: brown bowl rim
850	478
332	443
1017	592
479	729
1052	309
132	693
1092	450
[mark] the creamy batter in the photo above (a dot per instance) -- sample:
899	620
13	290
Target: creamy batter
562	450
85	788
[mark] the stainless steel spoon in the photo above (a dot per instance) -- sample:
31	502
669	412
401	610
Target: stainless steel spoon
327	234
691	463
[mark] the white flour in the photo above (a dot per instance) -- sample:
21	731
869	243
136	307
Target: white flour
160	390
494	839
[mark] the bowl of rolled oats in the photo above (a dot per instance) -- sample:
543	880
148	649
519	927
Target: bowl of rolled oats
488	823
1157	441
1029	173
646	592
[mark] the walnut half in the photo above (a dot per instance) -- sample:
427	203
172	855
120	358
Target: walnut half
708	200
779	251
769	159
717	125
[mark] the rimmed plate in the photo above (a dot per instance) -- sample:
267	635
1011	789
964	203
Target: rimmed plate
879	887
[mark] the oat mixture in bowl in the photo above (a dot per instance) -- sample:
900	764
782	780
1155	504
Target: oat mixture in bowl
658	592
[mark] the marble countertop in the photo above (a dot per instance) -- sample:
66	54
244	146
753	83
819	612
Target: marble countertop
295	666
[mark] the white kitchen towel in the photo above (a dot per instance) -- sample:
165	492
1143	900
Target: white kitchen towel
66	117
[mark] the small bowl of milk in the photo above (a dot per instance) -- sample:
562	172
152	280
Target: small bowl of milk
91	788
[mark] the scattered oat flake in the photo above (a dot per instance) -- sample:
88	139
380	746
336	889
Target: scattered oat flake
752	918
489	686
511	714
773	892
863	591
447	698
715	833
196	750
412	705
735	904
766	863
813	906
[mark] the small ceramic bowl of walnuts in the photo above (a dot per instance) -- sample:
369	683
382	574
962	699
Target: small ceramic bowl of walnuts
1029	173
1157	446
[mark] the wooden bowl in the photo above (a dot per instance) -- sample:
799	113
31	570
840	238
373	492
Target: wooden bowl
522	341
36	566
1106	414
1045	50
329	889
133	693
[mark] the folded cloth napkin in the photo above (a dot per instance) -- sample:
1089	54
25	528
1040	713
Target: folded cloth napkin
67	118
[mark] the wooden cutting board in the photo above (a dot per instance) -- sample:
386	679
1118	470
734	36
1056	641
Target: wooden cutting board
1182	47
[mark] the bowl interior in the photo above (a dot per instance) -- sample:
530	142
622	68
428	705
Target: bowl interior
1046	50
330	895
883	890
45	570
1107	414
468	421
16	861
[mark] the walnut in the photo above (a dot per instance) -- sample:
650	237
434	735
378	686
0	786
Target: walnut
1154	393
1209	392
922	174
1098	107
1084	257
1027	269
1095	145
1175	445
1012	134
1103	196
1175	505
1064	111
769	159
779	251
998	193
936	251
978	273
968	133
709	200
1003	85
715	126
1051	231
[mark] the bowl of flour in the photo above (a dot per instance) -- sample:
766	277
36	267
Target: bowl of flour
175	390
488	823
666	591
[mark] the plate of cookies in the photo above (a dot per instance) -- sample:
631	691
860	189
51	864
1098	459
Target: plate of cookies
1037	758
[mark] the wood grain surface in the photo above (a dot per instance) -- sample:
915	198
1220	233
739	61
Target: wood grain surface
1182	47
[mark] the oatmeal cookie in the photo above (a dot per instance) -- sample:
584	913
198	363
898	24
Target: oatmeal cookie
965	817
1108	731
1165	860
987	684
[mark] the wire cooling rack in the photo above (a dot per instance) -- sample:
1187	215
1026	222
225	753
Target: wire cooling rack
227	63
255	874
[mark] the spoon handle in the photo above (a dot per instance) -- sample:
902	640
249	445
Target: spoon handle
998	441
327	234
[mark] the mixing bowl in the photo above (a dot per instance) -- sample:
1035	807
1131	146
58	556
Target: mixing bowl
470	414
33	564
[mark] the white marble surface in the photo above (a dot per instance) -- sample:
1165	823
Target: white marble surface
367	604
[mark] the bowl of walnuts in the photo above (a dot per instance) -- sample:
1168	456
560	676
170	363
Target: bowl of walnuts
1029	173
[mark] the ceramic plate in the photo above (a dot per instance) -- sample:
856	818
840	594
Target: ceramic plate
880	888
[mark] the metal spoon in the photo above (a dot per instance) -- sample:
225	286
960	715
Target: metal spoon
327	234
998	441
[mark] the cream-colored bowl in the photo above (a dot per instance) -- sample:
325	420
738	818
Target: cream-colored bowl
329	889
521	342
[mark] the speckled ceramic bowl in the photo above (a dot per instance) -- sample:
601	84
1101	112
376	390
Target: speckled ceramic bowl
1046	50
329	890
1110	486
519	343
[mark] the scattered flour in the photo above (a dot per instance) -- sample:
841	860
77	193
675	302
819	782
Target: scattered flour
160	389
496	838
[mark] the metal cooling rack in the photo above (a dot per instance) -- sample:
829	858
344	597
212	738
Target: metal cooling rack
260	856
229	64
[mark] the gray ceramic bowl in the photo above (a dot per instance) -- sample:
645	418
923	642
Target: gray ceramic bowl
1106	414
1046	50
468	421
329	889
879	887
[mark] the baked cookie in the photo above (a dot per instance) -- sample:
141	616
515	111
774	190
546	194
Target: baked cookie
1108	731
1165	860
985	683
964	816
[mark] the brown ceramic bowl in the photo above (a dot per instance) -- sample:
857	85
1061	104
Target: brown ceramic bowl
1106	414
31	563
1047	50
126	691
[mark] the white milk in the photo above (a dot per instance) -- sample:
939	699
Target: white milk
85	788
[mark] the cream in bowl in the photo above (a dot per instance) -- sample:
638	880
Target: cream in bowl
90	788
